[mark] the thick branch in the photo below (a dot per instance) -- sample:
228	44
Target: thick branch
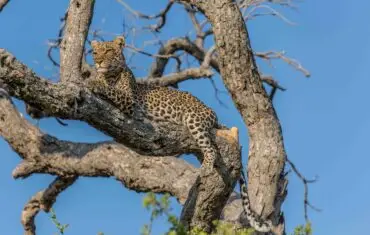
43	153
72	48
79	104
240	75
206	200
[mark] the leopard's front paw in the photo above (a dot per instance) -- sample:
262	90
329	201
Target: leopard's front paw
96	85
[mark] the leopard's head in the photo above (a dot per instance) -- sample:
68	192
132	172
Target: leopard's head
108	56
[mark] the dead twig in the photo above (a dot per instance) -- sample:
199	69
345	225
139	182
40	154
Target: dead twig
305	182
162	15
269	55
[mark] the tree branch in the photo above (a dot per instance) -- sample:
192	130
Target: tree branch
79	104
171	47
166	52
54	44
269	55
175	78
80	13
3	4
43	200
266	149
192	73
162	15
305	182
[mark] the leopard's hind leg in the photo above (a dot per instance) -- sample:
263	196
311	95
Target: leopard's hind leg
201	131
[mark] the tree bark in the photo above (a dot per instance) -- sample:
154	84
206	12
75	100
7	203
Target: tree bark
72	48
239	72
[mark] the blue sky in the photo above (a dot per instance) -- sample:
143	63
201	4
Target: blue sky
325	119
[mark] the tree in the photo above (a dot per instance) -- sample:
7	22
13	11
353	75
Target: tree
156	146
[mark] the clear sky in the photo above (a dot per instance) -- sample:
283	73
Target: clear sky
325	118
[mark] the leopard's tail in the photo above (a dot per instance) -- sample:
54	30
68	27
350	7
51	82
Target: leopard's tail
254	221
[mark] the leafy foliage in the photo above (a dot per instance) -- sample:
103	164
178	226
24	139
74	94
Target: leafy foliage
303	230
61	227
160	206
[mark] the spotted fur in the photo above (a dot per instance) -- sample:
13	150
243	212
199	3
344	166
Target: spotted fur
116	82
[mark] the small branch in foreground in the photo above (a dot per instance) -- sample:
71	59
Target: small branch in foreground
305	183
43	200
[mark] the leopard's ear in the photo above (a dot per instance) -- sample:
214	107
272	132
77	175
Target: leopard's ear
120	41
94	43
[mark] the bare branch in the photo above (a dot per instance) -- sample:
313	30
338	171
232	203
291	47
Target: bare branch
208	57
305	182
285	3
175	78
162	15
54	44
270	81
141	51
270	11
192	73
170	48
200	34
281	55
43	200
217	93
3	4
72	47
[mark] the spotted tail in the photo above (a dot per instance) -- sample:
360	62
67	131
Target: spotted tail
254	221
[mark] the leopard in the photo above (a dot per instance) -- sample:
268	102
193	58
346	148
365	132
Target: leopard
116	82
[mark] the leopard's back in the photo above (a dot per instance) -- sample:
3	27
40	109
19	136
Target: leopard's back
171	105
